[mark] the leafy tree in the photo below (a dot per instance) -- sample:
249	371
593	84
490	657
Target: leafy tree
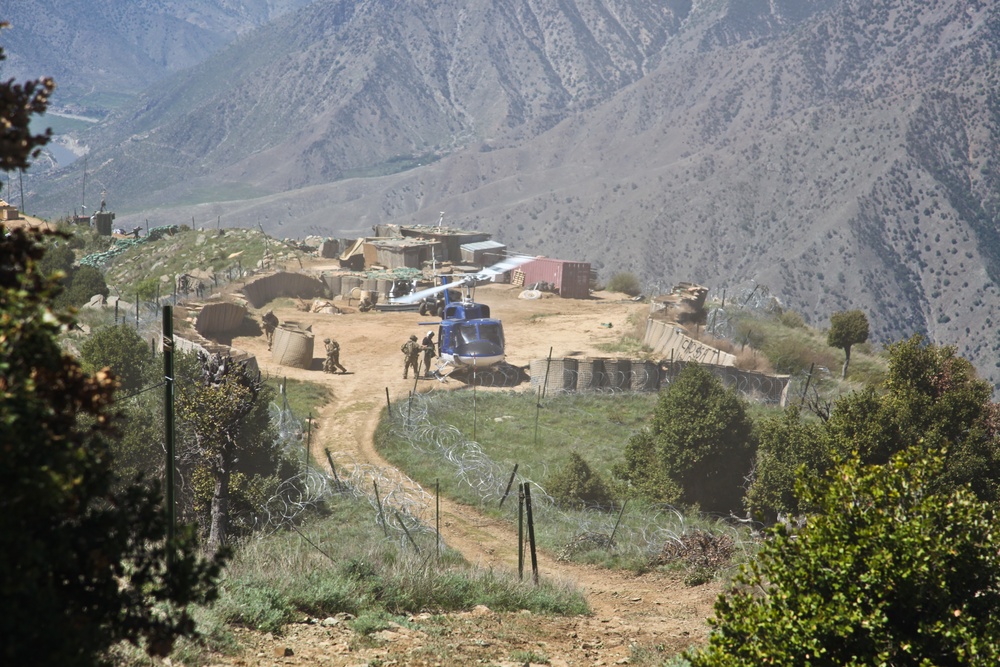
18	103
58	258
700	439
626	283
930	399
888	573
121	348
847	329
229	434
84	283
577	485
787	448
83	560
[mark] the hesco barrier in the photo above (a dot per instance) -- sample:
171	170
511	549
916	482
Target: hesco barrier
561	375
616	375
589	372
292	346
267	288
348	283
333	282
219	317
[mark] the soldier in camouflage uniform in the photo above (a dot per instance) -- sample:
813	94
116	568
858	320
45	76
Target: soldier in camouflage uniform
411	354
427	347
332	362
270	321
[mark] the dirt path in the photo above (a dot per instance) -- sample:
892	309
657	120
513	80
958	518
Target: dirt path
627	609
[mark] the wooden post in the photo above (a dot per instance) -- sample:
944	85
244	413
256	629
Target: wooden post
333	468
381	514
531	532
168	423
520	532
437	517
510	482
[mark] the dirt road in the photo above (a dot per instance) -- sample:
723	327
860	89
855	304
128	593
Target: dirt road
649	609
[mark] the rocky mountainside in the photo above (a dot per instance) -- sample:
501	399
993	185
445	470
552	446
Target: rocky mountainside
840	152
99	49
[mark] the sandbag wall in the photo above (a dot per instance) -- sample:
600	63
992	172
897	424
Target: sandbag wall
620	374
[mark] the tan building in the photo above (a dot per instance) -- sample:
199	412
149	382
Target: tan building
8	212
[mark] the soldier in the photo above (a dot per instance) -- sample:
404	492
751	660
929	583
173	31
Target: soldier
427	346
411	354
270	321
332	362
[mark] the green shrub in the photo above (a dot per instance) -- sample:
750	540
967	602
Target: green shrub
700	439
147	289
85	282
122	349
787	447
577	485
889	573
625	282
792	320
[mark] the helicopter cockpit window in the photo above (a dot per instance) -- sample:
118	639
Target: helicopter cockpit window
466	333
492	332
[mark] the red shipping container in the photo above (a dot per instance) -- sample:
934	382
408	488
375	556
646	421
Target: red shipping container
571	279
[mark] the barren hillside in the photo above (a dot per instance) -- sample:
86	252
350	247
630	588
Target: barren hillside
839	152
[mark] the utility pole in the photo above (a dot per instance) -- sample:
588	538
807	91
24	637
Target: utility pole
168	422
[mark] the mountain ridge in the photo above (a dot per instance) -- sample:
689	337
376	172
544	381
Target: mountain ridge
838	151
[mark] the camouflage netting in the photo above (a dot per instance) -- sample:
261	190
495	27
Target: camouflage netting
101	259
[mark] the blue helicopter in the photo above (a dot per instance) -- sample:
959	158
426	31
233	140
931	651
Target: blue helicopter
468	338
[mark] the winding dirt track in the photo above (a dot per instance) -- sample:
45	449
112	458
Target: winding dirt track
648	609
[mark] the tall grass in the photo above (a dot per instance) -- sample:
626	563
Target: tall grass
342	563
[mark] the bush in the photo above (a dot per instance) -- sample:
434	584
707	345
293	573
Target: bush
627	283
147	289
787	447
889	574
122	349
700	439
577	486
85	282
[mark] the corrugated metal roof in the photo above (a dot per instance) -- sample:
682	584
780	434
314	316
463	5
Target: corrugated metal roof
482	245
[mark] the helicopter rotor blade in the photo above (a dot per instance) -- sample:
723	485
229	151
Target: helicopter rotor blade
417	296
503	266
489	273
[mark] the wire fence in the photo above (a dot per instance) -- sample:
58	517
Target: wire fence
644	532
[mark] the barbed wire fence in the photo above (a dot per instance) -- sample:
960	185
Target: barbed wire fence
644	532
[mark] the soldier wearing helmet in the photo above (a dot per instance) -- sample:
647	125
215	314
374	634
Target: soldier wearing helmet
332	363
411	356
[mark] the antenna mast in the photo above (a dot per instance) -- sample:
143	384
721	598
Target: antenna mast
83	198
